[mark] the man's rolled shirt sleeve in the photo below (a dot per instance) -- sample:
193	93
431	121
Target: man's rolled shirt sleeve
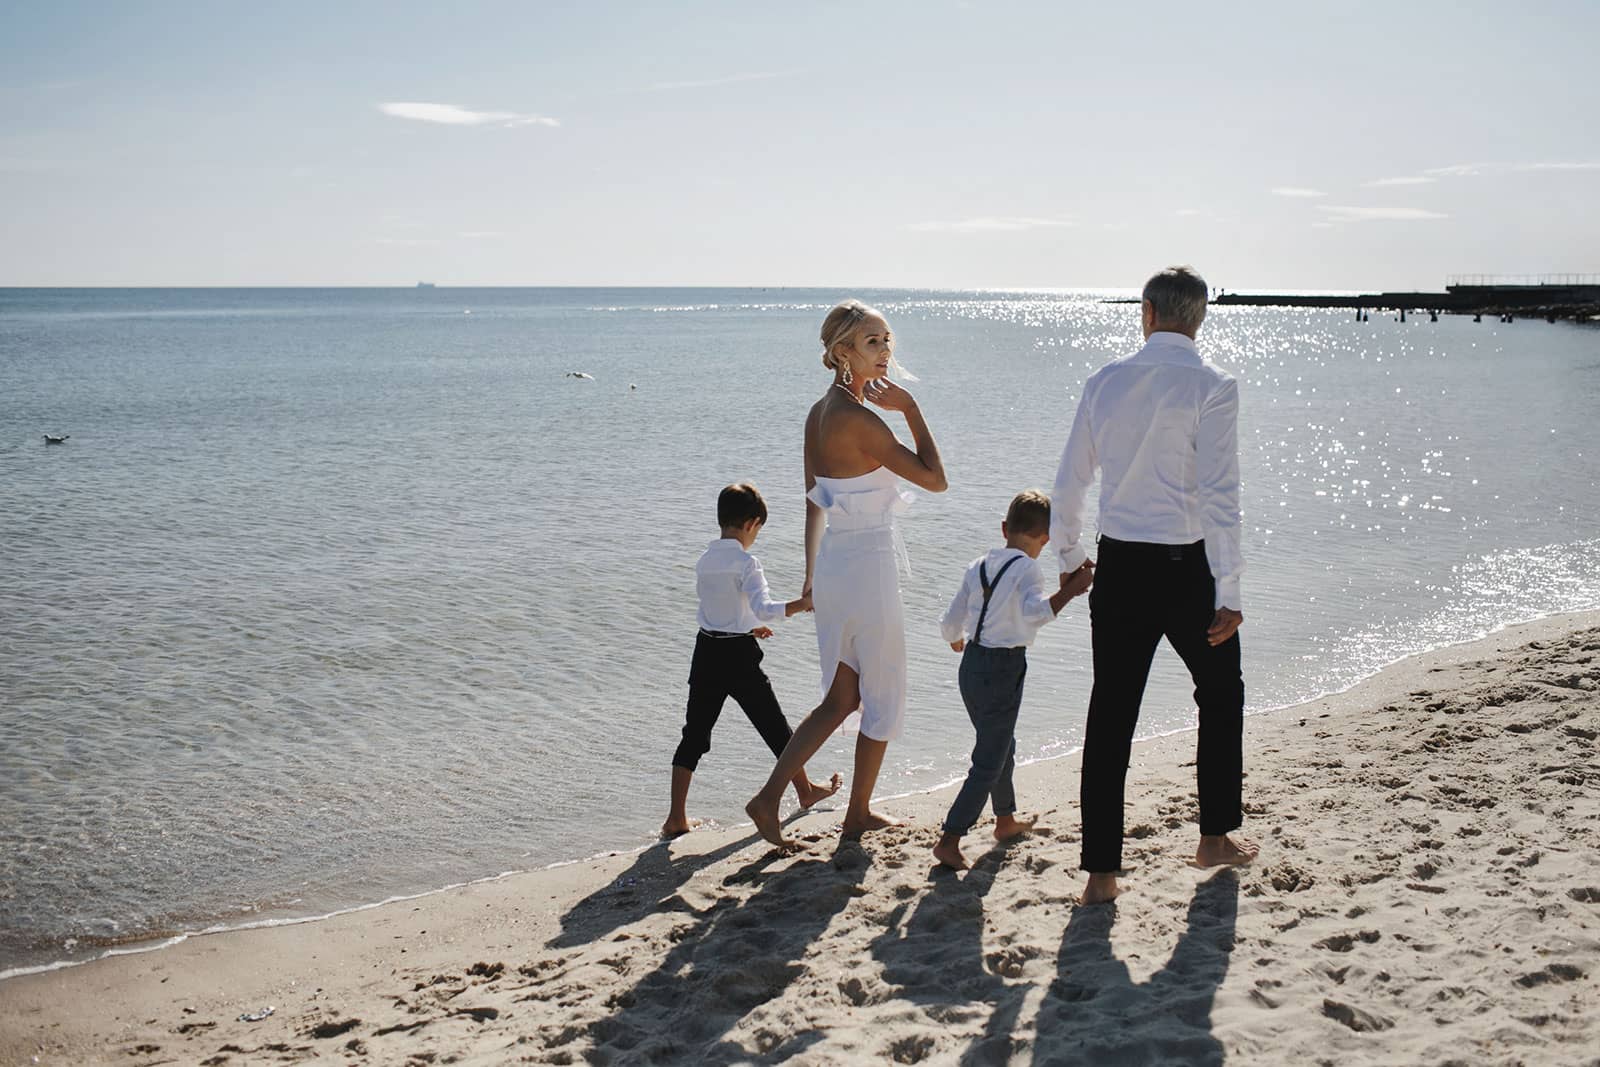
1071	491
1217	480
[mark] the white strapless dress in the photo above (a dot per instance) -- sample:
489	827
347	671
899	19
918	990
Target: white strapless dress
855	589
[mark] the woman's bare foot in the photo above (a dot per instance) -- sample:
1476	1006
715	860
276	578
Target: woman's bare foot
766	819
1219	850
1008	826
677	826
870	821
1101	888
948	853
810	792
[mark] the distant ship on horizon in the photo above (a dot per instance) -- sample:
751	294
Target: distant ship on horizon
424	285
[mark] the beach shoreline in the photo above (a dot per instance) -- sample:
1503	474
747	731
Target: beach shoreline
1384	848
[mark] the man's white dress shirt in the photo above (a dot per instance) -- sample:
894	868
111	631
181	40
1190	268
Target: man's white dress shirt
733	590
1019	605
1161	426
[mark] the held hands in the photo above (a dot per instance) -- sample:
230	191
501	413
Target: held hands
958	645
1076	583
1224	624
804	603
889	396
762	632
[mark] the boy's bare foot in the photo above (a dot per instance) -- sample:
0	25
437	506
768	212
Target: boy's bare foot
871	821
677	827
766	820
1008	826
1218	850
948	853
1101	888
810	792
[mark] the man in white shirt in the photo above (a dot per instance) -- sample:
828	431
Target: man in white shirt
1161	428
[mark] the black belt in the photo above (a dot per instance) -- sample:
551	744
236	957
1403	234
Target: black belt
1151	548
723	633
998	648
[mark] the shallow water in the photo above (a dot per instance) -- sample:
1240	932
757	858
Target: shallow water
339	594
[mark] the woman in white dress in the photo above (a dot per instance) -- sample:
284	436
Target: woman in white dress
853	465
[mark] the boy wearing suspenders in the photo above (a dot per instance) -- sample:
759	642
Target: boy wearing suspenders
1001	604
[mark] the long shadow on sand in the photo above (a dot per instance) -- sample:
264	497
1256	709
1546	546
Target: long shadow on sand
932	952
1095	1013
642	890
735	956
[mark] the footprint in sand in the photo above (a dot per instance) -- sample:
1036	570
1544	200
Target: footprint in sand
1345	942
1356	1019
1555	972
910	1049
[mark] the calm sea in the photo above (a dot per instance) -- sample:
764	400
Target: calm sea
336	595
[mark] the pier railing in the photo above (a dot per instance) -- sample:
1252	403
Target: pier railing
1490	280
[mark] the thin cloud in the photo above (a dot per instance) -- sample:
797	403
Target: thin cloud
1469	170
1556	166
990	224
1297	192
1412	179
1346	213
451	115
732	79
481	234
407	242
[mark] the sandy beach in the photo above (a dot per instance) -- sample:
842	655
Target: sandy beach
1428	892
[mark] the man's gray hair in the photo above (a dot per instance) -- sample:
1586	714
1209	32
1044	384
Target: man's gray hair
1178	297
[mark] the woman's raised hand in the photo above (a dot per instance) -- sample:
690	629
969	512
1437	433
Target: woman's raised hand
889	396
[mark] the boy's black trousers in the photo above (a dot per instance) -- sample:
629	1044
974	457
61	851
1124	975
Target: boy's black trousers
728	665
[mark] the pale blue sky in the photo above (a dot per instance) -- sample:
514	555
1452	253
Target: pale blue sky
852	144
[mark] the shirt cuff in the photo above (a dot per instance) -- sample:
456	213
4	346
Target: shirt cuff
1073	557
1228	594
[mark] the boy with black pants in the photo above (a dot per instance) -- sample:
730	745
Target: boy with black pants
734	603
1001	604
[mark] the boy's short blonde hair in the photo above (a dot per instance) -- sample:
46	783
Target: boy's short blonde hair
1029	513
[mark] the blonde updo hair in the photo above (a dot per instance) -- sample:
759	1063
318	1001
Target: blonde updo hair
840	326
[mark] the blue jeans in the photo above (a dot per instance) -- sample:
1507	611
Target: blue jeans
991	688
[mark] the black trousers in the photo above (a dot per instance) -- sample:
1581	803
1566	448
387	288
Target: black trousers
726	667
1142	593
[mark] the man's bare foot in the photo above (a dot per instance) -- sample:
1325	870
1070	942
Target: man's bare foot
1008	826
676	826
810	792
1218	850
871	821
948	853
1101	888
766	820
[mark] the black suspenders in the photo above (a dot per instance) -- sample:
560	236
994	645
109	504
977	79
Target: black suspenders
988	591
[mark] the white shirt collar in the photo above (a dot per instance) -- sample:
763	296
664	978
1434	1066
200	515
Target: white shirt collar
1167	347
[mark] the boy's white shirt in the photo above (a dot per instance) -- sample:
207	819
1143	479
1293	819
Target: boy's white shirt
733	589
1019	605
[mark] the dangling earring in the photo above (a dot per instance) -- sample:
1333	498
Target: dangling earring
847	377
